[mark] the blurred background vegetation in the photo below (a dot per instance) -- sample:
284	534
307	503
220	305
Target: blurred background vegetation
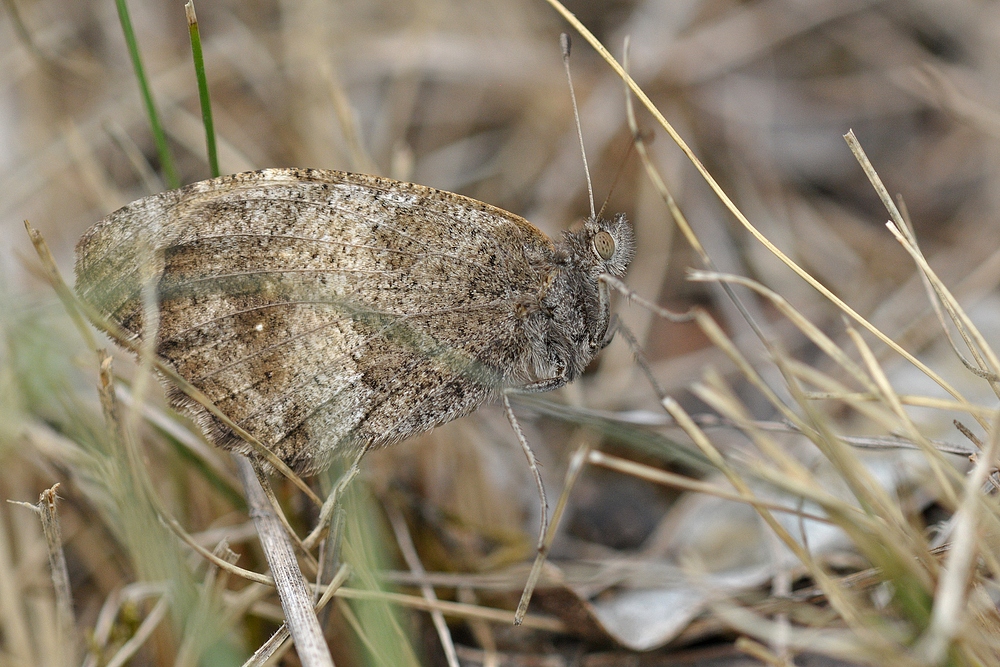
470	97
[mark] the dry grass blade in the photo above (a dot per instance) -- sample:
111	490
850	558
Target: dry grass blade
679	481
874	381
952	595
142	634
899	229
890	399
456	609
405	542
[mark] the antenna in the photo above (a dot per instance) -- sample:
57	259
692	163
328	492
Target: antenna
618	176
565	43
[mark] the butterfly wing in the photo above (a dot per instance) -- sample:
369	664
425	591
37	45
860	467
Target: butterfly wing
321	311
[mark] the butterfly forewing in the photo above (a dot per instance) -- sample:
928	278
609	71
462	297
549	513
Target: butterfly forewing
322	310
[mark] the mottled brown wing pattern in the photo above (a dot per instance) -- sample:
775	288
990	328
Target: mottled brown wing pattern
320	310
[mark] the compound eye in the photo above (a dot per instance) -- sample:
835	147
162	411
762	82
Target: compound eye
604	244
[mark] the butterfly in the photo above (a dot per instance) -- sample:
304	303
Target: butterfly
326	312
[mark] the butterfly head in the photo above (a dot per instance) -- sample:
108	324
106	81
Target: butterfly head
612	243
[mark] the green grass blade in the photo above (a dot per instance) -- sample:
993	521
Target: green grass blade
166	160
206	102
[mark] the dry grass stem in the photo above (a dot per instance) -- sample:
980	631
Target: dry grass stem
296	602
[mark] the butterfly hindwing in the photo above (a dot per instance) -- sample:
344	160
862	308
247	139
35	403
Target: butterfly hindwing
319	309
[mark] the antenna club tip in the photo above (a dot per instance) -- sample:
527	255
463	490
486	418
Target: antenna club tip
565	43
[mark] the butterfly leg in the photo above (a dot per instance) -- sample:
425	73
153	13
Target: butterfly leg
642	361
532	463
625	291
543	385
544	524
613	325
